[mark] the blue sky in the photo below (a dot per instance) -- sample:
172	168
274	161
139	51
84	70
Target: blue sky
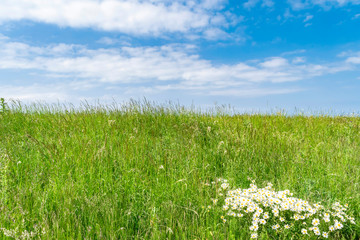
256	55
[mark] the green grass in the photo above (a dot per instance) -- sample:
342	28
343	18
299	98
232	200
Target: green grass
96	173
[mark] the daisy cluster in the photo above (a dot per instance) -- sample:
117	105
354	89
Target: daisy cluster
280	211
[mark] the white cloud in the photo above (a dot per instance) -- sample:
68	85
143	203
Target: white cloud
52	92
276	62
267	3
351	57
2	37
308	18
107	41
335	2
137	17
208	4
297	60
354	60
356	16
295	52
254	92
215	33
112	41
162	68
297	4
302	4
288	14
252	3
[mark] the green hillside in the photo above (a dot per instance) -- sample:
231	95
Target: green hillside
142	171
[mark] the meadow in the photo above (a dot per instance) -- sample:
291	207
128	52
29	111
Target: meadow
146	171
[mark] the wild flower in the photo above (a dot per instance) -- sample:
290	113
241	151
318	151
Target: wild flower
303	231
254	228
316	230
275	226
280	209
224	186
315	222
338	225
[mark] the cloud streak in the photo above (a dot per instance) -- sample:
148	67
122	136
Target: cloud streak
354	58
135	17
162	68
301	4
252	3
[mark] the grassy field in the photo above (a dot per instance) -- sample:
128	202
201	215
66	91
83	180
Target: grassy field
141	171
